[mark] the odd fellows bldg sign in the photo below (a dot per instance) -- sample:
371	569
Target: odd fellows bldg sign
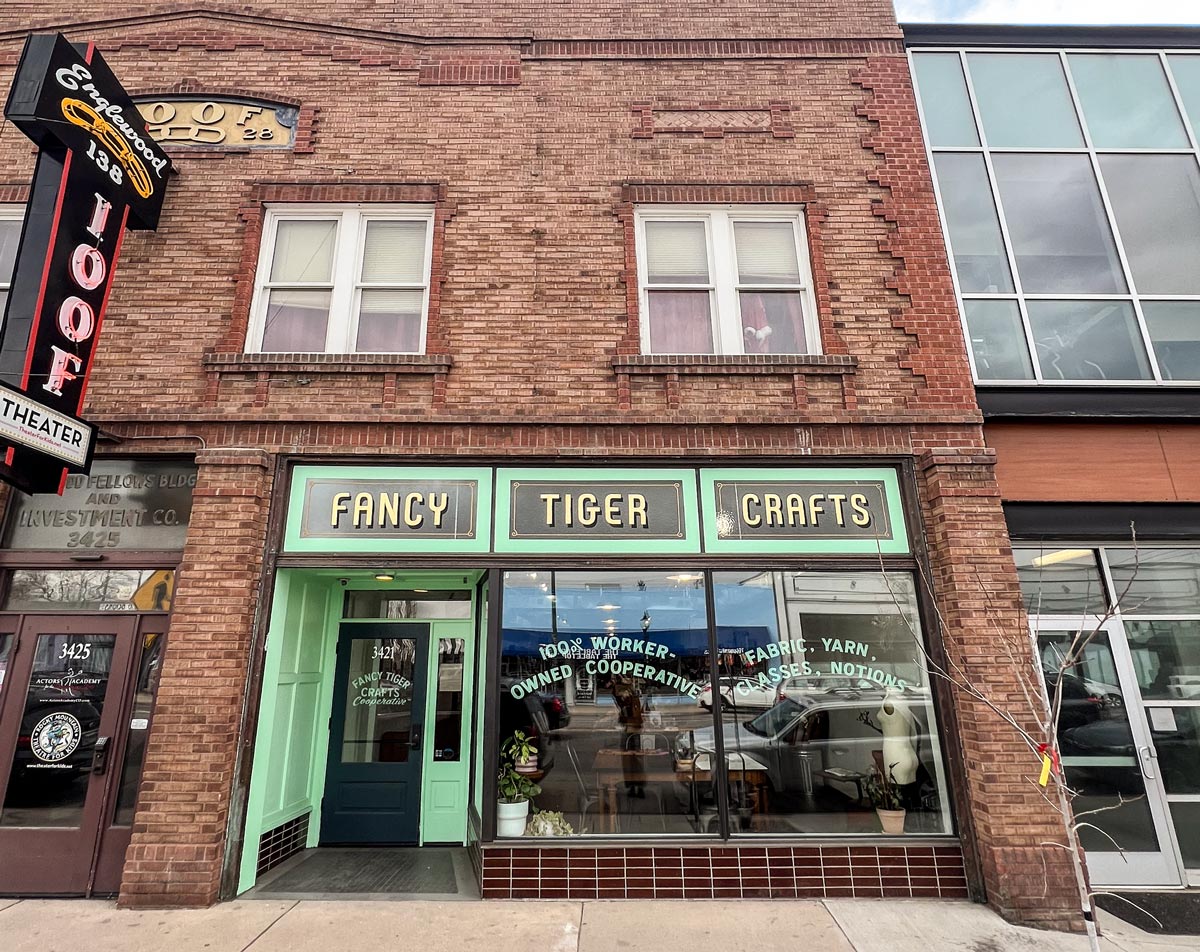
98	171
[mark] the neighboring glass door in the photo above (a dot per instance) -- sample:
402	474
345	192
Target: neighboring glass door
373	779
1108	755
60	727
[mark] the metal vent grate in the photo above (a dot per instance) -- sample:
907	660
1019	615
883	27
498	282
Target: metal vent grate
278	844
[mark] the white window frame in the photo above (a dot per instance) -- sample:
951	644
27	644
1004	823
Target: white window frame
10	213
346	285
724	286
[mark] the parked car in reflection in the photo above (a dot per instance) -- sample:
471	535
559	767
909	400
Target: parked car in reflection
833	739
738	692
528	715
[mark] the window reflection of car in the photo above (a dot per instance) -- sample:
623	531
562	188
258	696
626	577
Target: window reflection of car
801	736
739	692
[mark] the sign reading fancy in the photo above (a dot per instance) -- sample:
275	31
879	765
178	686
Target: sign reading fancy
98	171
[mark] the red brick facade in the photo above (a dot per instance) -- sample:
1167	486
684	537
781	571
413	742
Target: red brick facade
533	133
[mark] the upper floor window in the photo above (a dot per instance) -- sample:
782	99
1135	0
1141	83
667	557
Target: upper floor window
11	217
343	279
725	280
1069	186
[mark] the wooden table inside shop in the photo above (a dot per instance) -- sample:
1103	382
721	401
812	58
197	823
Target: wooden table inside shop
613	766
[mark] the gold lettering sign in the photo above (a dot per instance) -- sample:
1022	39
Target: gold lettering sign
223	122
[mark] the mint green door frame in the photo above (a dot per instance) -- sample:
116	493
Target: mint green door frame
292	736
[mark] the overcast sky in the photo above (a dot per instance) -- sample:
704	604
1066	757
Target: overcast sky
1049	11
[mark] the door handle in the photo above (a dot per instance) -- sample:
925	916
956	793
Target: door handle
1149	755
414	740
100	755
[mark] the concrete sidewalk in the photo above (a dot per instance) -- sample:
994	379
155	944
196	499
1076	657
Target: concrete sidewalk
595	926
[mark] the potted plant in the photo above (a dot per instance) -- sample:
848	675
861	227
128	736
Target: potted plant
520	750
884	794
512	808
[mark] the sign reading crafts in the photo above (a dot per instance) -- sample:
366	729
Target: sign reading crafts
98	171
595	511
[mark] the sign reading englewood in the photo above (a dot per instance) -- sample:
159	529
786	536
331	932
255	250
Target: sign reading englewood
98	171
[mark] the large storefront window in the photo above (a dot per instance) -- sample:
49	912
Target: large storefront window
813	709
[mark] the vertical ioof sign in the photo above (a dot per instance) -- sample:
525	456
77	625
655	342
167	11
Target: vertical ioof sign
98	171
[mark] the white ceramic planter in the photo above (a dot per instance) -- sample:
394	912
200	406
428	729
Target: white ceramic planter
892	821
511	817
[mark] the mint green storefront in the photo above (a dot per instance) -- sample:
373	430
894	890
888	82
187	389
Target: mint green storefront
406	640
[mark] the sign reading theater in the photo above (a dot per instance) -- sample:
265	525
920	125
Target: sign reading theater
98	171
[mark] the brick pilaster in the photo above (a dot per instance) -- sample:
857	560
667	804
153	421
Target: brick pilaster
179	830
987	643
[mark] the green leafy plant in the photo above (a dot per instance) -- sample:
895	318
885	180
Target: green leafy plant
513	787
883	791
549	823
518	748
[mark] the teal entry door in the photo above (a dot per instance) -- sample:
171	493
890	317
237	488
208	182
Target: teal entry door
373	779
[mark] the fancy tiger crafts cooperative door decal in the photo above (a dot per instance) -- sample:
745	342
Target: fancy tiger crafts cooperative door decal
98	171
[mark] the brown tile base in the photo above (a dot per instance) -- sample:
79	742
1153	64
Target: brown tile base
723	872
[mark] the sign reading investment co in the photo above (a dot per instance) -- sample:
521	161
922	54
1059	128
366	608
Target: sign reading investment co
98	171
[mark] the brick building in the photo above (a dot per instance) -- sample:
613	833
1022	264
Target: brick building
594	376
1067	167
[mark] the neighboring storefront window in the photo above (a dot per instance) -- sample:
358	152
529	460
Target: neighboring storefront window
104	590
816	697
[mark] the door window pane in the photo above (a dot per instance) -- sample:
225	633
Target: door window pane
1059	230
389	322
1166	657
944	100
822	688
303	252
1185	68
1186	816
394	252
1175	332
604	672
447	728
149	672
60	724
979	257
680	322
998	340
1126	101
1088	340
1156	202
1024	101
1157	581
772	322
1176	735
379	696
1057	581
1096	742
676	252
296	321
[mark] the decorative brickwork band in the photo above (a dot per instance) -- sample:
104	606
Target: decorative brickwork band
712	121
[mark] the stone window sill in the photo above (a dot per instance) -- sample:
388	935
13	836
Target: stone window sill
328	363
671	367
304	367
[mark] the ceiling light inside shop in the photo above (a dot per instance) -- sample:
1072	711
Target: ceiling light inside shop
685	578
608	608
610	621
421	591
1062	555
384	576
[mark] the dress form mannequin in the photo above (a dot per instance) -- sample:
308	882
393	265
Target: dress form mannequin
899	754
